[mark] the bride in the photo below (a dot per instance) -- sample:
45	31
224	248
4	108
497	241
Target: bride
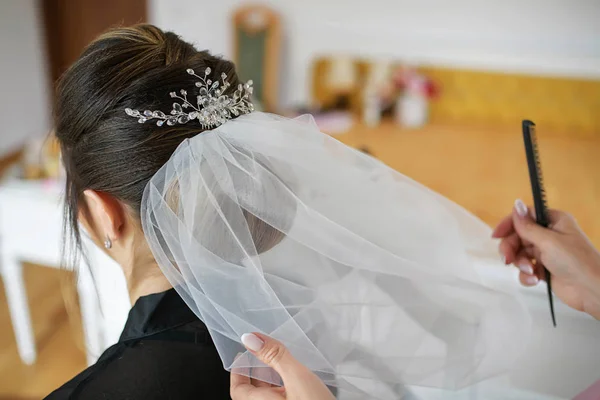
227	221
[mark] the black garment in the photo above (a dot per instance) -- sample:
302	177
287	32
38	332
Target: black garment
165	352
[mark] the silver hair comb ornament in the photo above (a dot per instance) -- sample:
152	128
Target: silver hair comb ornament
213	108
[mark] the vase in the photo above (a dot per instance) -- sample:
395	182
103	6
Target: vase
371	109
412	110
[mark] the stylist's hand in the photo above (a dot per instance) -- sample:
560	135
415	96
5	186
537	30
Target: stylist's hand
299	383
562	248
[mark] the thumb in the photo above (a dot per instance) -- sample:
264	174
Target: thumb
273	353
527	228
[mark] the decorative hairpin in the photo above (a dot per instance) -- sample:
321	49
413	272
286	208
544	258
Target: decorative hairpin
213	108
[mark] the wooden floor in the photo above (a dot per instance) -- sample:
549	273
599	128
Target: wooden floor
58	336
483	170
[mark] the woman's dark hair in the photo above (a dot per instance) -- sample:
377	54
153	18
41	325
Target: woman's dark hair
102	147
106	150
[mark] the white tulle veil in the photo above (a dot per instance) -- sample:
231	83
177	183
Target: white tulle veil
265	224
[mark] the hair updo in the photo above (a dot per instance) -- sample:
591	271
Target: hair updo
103	148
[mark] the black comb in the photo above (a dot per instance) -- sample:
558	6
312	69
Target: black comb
539	195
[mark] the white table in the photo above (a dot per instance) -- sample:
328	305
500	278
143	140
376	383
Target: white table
31	230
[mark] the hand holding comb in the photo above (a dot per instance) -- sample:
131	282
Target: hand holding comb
539	195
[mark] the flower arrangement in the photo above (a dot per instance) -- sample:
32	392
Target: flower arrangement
411	92
407	80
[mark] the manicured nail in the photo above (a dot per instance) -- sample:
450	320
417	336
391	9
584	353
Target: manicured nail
526	269
532	280
521	208
252	342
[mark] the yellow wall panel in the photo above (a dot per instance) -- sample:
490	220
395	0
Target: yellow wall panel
562	105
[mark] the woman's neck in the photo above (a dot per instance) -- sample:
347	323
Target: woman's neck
145	279
142	273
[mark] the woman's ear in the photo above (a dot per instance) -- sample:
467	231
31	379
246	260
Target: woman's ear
104	217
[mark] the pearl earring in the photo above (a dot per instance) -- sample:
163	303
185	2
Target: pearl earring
107	243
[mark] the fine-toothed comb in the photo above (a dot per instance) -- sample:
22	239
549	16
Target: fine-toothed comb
539	195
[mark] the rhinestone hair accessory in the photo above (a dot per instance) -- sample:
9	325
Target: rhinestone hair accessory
213	108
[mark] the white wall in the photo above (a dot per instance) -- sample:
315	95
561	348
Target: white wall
24	89
553	37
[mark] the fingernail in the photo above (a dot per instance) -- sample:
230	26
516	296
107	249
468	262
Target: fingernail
521	208
526	269
502	257
532	280
252	342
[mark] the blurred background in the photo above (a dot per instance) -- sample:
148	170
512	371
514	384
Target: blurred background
435	89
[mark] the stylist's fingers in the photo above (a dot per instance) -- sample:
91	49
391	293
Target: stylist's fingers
524	263
260	377
239	376
259	383
556	216
528	280
528	230
504	228
530	272
300	382
509	247
274	354
250	392
242	387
